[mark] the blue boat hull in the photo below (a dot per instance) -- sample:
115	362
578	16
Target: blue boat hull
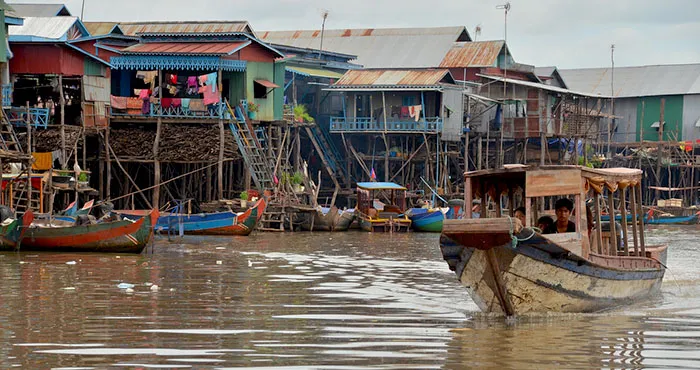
427	221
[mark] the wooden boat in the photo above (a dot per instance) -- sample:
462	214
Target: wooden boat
328	219
71	210
511	268
391	217
217	223
85	209
12	230
124	236
673	220
427	220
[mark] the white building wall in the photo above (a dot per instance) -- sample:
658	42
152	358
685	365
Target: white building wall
691	117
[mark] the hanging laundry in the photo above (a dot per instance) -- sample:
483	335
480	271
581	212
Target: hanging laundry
147	76
166	102
191	81
144	94
172	89
172	78
210	97
197	105
211	81
186	104
117	102
203	79
414	111
177	102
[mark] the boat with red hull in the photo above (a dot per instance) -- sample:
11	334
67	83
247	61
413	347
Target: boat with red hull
123	236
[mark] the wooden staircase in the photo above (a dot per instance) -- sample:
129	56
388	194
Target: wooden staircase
254	156
20	201
8	139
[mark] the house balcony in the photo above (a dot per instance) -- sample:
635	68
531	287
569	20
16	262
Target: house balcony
37	117
431	125
6	95
194	110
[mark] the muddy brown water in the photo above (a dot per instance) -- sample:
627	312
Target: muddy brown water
317	301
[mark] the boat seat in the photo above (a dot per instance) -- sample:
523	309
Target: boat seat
388	215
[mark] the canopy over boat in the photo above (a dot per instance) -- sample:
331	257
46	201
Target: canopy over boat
379	186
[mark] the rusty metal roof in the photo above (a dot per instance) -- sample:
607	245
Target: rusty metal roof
213	27
473	54
394	77
102	28
199	48
381	47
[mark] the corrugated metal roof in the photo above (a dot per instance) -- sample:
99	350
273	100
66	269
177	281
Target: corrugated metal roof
133	28
44	28
545	71
473	54
380	186
314	72
394	77
202	48
544	86
672	79
101	28
38	10
379	48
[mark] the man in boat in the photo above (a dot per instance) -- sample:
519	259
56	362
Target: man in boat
563	208
544	222
520	215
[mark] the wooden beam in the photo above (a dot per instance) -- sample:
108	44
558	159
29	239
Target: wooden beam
613	228
156	162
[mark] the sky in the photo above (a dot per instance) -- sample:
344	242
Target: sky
563	33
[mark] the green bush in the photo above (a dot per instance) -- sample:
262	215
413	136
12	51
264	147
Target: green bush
301	114
244	195
297	178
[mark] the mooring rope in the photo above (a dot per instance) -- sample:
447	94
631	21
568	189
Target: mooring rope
514	238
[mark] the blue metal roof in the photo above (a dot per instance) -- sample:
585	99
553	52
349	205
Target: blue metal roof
379	186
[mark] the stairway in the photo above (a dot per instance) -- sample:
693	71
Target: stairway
19	198
253	153
329	151
8	139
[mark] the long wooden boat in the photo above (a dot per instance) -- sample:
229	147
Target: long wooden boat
511	268
427	220
328	219
661	219
124	236
389	219
217	223
12	230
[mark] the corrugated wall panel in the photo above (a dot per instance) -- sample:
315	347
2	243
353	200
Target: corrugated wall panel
691	115
627	124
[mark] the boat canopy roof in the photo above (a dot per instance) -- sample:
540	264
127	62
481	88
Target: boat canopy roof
379	186
556	180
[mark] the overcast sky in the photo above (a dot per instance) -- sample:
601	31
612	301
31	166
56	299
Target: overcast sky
565	33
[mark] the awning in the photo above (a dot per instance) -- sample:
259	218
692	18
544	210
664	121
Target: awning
314	72
266	83
656	124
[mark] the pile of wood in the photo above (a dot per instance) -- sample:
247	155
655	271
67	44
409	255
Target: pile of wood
49	140
178	143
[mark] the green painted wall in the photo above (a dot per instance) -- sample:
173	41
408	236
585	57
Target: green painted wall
93	68
673	116
237	87
258	71
279	92
3	36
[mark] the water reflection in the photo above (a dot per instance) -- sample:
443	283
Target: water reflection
325	301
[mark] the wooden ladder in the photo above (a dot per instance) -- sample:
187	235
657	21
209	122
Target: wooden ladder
8	139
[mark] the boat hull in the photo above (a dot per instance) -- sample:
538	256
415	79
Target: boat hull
12	232
124	236
401	225
539	276
218	223
428	221
346	219
674	220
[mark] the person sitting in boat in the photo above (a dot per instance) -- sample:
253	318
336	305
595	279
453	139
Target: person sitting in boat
520	214
476	208
563	209
544	222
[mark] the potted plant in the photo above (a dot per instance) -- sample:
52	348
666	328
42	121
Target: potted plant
301	114
244	199
253	110
296	181
83	179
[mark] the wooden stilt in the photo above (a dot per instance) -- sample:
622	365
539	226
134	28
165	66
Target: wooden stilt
62	103
623	214
641	225
599	228
613	228
156	143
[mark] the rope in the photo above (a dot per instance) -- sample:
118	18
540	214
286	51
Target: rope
515	240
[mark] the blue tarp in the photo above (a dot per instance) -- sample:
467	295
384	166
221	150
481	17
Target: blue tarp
379	186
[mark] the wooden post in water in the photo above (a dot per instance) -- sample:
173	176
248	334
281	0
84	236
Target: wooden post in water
657	194
613	228
62	103
623	215
220	168
635	217
29	165
156	162
599	229
641	225
108	184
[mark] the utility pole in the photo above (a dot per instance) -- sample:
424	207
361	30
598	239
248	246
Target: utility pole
612	98
506	8
324	14
82	12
